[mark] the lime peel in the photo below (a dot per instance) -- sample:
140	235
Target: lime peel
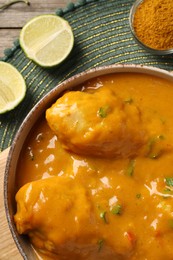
47	40
12	87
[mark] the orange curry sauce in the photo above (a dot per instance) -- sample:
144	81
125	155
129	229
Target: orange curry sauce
106	208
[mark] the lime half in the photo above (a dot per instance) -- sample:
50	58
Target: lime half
12	87
47	40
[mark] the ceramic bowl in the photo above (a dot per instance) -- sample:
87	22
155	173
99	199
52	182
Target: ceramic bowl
142	44
10	173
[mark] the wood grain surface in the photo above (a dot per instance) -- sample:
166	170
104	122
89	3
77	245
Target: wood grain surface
14	18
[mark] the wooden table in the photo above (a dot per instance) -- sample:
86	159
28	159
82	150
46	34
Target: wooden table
11	21
14	17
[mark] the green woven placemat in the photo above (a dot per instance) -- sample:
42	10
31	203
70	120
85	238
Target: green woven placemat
102	37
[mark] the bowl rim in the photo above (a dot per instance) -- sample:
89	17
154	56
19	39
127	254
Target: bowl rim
40	108
142	44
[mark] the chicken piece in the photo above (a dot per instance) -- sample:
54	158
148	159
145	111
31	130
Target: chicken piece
57	215
97	124
53	214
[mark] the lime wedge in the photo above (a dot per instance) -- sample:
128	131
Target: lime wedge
12	87
47	40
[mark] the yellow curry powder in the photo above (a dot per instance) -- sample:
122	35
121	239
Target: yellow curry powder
153	23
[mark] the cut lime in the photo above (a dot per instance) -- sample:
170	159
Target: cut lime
47	40
12	87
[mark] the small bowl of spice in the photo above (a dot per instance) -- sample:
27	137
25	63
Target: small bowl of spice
151	24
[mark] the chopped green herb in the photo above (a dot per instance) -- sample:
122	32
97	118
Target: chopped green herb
138	195
103	216
151	142
131	167
161	137
117	209
169	181
171	223
103	111
128	101
153	152
100	244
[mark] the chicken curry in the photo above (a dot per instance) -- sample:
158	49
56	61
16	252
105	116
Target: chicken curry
95	176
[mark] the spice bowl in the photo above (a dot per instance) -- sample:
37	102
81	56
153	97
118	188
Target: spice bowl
147	47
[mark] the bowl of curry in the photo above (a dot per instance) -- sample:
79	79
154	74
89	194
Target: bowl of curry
90	173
